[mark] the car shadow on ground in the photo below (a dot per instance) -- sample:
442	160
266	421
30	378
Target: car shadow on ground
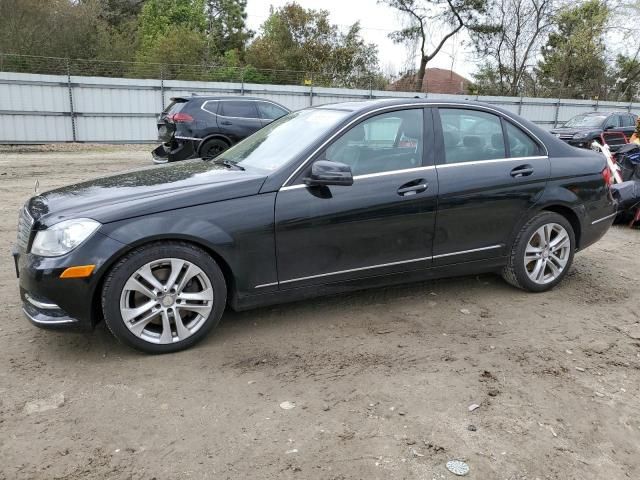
235	326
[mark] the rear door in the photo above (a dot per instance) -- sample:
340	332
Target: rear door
490	173
237	119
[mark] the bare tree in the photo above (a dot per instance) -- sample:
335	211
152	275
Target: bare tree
448	17
512	44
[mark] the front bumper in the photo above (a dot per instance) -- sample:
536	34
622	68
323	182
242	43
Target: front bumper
175	150
71	304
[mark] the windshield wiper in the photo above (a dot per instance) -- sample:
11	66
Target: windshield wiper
227	163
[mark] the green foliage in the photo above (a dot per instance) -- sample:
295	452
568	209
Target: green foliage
226	25
573	60
302	40
626	77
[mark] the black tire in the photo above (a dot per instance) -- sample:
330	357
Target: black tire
121	272
515	273
212	148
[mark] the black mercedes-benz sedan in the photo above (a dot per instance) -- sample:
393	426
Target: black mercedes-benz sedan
323	200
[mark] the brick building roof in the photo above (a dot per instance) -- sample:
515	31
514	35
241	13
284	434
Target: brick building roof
436	80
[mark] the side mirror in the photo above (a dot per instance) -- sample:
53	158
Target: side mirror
324	172
609	126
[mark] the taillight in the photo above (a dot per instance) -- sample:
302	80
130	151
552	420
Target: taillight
181	118
607	176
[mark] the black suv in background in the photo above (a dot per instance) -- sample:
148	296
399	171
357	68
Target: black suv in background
203	126
583	129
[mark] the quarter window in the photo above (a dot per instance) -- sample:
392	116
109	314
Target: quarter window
471	135
269	111
239	109
386	142
520	144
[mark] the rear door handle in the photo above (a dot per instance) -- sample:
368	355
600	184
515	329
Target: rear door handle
522	171
412	188
226	122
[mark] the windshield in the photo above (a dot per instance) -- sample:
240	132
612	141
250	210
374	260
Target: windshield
586	121
281	141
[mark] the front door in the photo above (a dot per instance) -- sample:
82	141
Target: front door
381	224
490	173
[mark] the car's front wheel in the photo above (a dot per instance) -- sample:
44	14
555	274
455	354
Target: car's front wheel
164	297
542	253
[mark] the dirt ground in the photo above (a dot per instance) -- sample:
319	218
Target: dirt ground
382	380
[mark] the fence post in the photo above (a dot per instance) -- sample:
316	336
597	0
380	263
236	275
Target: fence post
520	106
242	82
162	88
555	119
311	92
370	88
71	110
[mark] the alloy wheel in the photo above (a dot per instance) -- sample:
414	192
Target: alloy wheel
166	300
547	253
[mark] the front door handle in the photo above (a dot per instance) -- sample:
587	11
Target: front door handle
411	188
226	122
522	171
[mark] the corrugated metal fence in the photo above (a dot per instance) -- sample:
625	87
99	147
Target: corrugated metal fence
59	108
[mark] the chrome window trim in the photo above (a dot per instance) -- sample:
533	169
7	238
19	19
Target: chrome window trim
493	160
408	105
369	175
381	265
604	218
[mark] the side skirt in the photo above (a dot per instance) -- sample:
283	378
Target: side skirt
248	302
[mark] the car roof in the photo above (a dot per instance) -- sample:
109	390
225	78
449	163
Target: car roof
222	97
601	114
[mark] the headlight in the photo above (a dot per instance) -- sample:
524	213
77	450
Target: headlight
63	237
580	136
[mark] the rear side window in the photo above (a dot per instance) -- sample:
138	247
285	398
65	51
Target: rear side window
520	144
240	109
471	135
269	111
628	121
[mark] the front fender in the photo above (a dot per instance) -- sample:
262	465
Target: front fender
240	232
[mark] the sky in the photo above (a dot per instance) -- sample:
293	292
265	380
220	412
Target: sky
377	21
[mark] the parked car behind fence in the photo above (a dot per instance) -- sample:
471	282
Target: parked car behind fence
200	126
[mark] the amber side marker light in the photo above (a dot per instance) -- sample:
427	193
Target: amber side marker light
81	271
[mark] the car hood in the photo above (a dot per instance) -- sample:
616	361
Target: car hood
144	191
574	130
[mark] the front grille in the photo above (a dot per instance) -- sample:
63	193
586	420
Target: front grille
25	223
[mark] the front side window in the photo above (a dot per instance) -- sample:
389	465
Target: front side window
471	135
284	140
387	142
238	109
269	111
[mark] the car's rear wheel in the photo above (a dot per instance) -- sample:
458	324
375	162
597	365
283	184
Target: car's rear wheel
212	148
541	254
164	297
